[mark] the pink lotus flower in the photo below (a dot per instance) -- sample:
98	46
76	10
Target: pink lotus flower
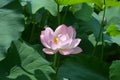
62	40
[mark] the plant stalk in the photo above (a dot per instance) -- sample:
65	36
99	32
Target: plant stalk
32	33
63	19
101	35
57	55
33	29
56	61
58	8
56	64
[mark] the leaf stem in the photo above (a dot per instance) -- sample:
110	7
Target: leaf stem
102	46
102	25
63	19
101	35
32	31
58	8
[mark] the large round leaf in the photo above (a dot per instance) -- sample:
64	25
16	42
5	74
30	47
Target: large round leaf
49	5
91	26
30	65
97	2
69	2
83	67
11	26
82	11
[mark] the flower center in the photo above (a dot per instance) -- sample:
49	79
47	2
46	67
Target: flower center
56	40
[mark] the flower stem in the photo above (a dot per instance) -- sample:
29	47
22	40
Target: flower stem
101	35
56	64
56	61
57	55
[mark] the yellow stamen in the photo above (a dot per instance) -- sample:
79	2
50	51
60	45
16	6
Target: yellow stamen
56	40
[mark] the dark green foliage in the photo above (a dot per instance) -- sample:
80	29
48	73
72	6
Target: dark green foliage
21	55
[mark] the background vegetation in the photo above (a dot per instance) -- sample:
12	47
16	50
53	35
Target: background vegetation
97	23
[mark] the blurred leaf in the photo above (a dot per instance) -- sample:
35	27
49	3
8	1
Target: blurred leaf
11	26
32	67
113	24
112	3
12	59
85	29
50	5
115	39
115	70
84	13
112	30
4	2
88	27
83	67
39	48
99	3
69	2
76	7
14	5
114	17
93	40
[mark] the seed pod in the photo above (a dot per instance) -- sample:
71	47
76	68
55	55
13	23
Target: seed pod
104	22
